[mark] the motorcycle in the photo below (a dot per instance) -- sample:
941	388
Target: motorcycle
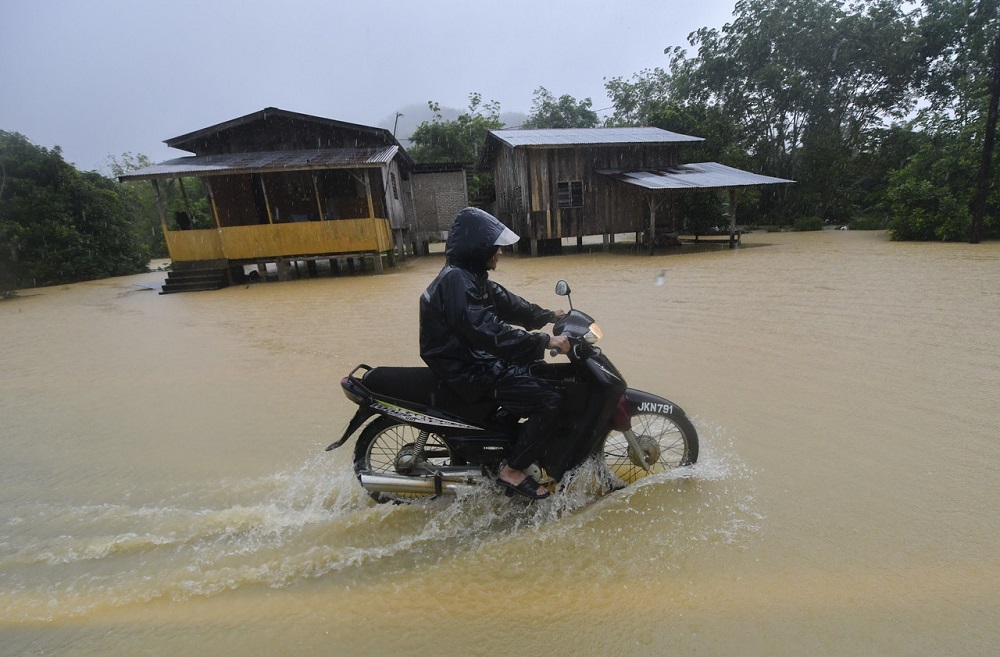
425	440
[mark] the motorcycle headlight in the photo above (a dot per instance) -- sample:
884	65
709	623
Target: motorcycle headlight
593	334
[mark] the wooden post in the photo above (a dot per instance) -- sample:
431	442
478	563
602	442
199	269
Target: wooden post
211	198
267	202
368	195
652	221
187	203
732	218
319	203
400	243
283	269
652	225
160	210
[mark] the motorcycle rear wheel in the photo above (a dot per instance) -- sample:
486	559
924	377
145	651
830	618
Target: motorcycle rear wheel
380	445
671	440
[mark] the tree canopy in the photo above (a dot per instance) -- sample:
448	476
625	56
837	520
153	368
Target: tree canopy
459	140
824	92
565	112
57	224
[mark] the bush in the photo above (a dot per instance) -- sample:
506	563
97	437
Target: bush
58	225
923	209
808	223
869	222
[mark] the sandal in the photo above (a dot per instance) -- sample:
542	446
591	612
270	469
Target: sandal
528	487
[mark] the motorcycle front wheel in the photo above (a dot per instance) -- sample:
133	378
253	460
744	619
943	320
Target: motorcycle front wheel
668	441
386	444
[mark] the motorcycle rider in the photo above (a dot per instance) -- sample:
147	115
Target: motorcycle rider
469	338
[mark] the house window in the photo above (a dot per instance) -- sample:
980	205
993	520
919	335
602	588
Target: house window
395	190
570	193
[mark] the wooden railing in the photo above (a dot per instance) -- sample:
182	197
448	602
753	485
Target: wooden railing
281	240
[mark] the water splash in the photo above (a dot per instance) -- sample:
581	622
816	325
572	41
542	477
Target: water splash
318	522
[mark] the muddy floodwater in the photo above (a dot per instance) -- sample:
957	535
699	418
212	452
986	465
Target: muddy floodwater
164	488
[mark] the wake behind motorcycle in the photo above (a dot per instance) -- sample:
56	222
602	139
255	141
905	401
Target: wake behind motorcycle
425	440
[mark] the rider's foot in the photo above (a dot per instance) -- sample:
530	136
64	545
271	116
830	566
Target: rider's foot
515	477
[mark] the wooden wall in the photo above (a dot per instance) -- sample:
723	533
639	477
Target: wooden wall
526	181
263	242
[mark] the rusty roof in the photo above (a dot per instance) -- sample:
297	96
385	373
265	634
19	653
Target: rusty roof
268	161
700	175
185	142
590	136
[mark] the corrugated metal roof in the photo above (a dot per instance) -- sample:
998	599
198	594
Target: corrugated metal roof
701	175
591	136
184	141
234	163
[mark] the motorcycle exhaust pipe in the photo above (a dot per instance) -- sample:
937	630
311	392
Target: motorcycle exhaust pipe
392	483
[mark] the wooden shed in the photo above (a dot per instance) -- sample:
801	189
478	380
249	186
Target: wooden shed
558	183
285	187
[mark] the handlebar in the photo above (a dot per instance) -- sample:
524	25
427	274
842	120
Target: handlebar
574	325
578	349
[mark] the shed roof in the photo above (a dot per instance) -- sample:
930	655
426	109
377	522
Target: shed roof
700	175
187	142
268	161
591	136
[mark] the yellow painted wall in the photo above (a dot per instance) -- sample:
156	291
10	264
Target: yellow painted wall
280	240
186	245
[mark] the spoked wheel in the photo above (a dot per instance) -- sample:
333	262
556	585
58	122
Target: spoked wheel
388	446
666	441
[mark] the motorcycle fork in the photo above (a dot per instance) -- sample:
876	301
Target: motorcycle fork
636	453
622	421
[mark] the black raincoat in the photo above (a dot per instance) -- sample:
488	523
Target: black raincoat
468	323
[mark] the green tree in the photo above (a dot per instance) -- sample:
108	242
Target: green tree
565	112
792	88
460	140
930	196
810	81
58	225
186	195
655	98
961	83
140	202
638	99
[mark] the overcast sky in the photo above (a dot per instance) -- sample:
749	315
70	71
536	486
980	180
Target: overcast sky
103	77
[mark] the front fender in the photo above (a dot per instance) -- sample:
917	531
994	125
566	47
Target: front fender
638	401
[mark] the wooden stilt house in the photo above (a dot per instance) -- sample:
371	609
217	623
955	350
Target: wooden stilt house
285	187
559	183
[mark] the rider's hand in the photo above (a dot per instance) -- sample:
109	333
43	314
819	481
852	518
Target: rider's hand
560	343
558	315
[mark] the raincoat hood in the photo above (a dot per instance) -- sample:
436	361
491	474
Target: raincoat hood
474	236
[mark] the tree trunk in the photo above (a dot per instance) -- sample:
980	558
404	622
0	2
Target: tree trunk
979	202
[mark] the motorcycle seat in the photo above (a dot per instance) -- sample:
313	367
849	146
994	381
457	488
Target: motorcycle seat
420	385
416	384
